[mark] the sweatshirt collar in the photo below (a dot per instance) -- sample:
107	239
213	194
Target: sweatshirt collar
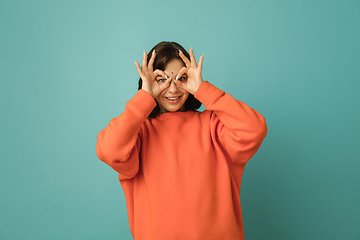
178	114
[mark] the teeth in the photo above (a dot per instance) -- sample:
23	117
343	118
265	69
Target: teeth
172	98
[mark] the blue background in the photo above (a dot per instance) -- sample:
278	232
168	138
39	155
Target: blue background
67	68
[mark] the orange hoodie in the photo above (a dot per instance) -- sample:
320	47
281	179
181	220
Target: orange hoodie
181	172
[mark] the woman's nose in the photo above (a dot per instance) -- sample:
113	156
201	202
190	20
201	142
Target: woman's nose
173	87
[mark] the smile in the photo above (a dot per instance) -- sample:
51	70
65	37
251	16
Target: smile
173	98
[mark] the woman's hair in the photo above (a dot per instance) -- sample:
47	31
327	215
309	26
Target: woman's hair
165	52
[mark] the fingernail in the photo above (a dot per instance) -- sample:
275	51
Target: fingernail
153	51
177	76
180	51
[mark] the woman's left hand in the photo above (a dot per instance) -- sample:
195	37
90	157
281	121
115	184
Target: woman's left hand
193	72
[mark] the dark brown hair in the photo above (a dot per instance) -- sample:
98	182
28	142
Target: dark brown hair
165	52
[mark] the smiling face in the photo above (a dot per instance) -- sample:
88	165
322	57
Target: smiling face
172	98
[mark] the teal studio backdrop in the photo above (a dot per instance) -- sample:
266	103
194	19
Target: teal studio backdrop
67	68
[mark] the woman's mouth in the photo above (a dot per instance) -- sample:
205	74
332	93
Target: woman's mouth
173	99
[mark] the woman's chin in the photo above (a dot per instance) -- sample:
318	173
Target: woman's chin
172	109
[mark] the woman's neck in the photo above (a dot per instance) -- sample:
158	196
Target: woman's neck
163	110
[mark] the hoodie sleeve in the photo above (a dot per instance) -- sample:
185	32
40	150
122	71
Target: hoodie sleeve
239	129
118	145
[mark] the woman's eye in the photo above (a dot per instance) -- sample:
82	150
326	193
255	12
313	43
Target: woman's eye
161	80
182	79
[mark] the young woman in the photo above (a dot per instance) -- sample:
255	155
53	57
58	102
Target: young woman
181	169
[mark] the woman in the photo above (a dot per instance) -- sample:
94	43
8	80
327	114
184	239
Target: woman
181	169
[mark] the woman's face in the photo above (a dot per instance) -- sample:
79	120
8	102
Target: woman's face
172	98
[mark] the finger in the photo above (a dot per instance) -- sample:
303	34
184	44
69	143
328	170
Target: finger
192	59
185	59
179	84
182	71
144	63
165	85
139	69
151	61
158	72
201	62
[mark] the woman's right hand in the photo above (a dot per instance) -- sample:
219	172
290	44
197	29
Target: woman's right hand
153	82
